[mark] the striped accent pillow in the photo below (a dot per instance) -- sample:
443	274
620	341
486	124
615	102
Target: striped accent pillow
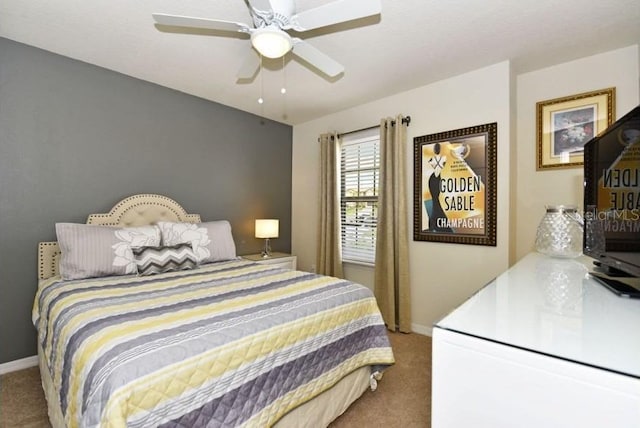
153	260
90	251
212	241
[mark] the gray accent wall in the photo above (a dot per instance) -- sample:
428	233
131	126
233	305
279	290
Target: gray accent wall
75	139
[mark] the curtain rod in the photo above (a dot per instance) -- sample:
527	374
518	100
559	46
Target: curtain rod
406	120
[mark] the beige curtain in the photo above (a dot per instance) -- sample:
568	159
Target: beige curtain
329	260
391	280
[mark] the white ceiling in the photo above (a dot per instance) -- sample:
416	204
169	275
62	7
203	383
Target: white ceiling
411	44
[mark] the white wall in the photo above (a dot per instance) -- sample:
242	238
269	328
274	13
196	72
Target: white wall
442	275
535	189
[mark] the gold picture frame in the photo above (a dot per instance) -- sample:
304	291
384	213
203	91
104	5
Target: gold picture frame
565	124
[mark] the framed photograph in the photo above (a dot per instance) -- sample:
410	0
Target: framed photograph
565	124
455	186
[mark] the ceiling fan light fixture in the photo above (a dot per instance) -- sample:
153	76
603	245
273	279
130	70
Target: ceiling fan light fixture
271	42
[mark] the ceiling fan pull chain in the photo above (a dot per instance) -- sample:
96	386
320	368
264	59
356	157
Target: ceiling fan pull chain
283	90
261	100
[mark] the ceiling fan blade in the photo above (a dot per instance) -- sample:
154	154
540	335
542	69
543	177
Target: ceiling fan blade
313	56
334	13
262	5
191	22
249	66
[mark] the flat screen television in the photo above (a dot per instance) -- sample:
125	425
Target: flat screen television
612	199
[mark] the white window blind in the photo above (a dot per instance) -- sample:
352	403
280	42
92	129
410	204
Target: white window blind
359	177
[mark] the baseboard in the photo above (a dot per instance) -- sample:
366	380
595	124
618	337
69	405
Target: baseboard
422	329
14	366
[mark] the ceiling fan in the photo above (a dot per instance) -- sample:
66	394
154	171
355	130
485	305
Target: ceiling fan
272	19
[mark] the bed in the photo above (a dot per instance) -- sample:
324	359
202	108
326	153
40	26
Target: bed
226	342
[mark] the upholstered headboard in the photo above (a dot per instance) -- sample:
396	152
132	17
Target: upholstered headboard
136	210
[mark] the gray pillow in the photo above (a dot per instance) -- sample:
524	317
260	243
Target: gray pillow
153	260
92	251
211	241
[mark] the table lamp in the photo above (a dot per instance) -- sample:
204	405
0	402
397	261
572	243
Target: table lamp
266	228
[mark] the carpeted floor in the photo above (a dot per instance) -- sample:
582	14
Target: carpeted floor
403	398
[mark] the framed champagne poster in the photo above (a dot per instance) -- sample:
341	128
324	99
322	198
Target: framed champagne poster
455	186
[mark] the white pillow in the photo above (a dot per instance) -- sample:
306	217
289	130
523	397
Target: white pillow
211	241
93	251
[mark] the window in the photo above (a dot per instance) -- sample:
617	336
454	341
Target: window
359	177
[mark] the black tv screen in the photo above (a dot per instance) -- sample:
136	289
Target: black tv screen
612	196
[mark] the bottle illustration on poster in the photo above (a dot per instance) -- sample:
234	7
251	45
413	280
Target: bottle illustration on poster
435	214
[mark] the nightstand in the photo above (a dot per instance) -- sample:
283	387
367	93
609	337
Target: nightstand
282	260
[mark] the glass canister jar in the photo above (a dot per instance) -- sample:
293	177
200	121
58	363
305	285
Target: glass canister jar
559	233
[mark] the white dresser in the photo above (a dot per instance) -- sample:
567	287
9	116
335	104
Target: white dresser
543	345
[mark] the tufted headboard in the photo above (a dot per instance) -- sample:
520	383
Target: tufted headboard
136	210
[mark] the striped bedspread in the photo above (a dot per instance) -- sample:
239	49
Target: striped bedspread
228	344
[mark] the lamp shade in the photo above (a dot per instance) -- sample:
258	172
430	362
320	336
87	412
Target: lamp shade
271	42
267	228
